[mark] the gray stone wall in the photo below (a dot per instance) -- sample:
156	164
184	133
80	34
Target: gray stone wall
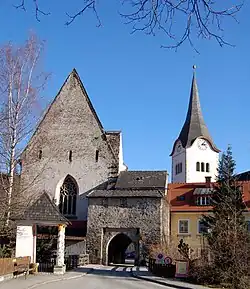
69	125
107	217
77	248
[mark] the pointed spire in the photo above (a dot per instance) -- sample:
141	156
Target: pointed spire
194	125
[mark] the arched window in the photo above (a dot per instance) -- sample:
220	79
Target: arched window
68	194
202	167
207	167
197	166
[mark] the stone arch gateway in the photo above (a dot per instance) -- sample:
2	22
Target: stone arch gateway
117	248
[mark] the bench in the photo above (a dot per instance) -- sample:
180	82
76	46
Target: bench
22	266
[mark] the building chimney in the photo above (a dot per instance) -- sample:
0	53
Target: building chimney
112	176
208	181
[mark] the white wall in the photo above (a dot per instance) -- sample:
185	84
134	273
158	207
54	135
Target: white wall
179	157
25	242
122	166
193	155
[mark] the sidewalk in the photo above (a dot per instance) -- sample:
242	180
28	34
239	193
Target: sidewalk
34	281
144	274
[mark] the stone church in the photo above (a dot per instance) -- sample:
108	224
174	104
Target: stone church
80	166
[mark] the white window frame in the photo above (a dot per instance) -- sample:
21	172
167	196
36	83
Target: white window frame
181	233
205	198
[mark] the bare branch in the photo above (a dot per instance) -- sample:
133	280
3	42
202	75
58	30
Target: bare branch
89	4
38	11
195	18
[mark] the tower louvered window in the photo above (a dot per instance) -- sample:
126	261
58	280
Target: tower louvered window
68	195
178	168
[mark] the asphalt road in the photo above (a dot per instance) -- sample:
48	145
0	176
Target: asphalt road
104	277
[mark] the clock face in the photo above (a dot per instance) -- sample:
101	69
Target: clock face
202	144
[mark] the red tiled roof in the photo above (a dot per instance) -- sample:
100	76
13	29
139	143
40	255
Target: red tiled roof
187	190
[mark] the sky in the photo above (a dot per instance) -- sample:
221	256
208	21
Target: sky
138	87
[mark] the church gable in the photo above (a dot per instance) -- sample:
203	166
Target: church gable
71	124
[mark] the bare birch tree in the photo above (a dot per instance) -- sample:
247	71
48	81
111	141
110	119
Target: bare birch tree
179	20
21	82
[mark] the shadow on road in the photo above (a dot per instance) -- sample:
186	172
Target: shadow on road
116	271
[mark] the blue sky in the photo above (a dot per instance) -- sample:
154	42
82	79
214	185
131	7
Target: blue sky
139	88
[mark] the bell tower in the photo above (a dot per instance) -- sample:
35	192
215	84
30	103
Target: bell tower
194	154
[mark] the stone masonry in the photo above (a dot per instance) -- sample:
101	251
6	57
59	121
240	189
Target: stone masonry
70	143
137	209
69	125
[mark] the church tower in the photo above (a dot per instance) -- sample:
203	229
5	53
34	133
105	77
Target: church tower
194	154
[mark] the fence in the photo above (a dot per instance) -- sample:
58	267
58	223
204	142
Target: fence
7	264
71	263
167	271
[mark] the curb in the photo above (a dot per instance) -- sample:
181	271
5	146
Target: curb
59	279
160	282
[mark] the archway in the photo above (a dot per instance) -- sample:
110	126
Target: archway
117	249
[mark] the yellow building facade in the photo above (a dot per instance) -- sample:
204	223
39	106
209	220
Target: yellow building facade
188	203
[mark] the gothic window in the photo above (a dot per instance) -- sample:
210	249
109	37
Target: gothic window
207	167
202	167
68	195
197	166
40	154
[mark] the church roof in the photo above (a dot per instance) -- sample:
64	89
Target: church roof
141	179
194	125
112	146
150	184
42	210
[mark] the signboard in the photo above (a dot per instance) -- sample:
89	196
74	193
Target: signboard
159	258
164	260
168	261
181	269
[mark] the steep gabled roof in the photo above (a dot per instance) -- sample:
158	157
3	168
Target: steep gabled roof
42	210
194	125
76	76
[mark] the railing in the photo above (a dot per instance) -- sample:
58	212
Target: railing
167	271
71	263
47	266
